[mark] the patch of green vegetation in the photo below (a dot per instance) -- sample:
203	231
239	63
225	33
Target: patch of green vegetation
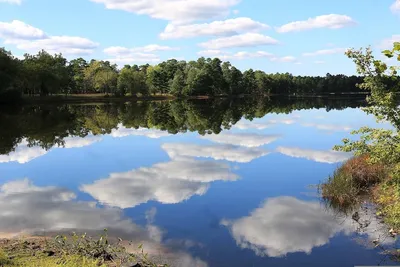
387	195
350	181
71	251
377	151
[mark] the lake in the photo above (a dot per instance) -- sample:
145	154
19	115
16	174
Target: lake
199	183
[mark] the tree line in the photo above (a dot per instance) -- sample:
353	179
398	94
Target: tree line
48	125
46	74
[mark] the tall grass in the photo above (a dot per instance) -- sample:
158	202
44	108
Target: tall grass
355	177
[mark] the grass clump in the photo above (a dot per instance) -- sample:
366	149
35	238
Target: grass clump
70	251
354	178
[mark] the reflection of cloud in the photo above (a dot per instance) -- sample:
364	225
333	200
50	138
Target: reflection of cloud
75	142
328	127
241	139
218	152
314	155
169	182
285	225
23	153
245	124
28	209
122	131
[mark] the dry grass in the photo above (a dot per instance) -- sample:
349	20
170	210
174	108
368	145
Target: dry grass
354	177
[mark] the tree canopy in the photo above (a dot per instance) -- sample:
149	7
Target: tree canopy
45	74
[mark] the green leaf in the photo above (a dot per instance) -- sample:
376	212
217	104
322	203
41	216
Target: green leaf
388	53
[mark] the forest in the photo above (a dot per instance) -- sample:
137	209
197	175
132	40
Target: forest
44	74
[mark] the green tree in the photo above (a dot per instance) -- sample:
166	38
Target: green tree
382	82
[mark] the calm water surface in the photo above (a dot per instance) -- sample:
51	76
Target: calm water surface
205	183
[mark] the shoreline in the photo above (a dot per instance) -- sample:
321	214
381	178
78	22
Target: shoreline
102	98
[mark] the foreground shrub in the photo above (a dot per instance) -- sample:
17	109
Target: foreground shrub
354	177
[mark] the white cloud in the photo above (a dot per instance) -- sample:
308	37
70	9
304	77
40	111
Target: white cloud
124	51
284	59
325	52
314	155
217	28
122	131
395	7
286	225
23	153
16	2
170	182
388	43
238	55
241	40
60	212
217	152
332	21
28	38
78	142
174	10
123	55
319	62
241	139
18	30
246	124
329	127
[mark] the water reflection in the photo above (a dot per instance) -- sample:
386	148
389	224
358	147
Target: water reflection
29	209
170	182
314	155
185	178
285	225
217	152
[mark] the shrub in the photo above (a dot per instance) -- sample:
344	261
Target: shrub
354	177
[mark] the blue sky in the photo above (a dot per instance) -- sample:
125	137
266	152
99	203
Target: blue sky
306	38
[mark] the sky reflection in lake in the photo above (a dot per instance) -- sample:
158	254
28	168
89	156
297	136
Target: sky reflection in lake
240	197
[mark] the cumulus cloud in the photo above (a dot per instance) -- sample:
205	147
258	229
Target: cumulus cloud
124	51
174	10
286	225
18	30
122	131
124	55
332	21
325	52
217	28
223	55
217	152
241	40
31	39
21	202
242	139
329	127
314	155
395	7
170	182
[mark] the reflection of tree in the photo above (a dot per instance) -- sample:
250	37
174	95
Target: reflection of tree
47	126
